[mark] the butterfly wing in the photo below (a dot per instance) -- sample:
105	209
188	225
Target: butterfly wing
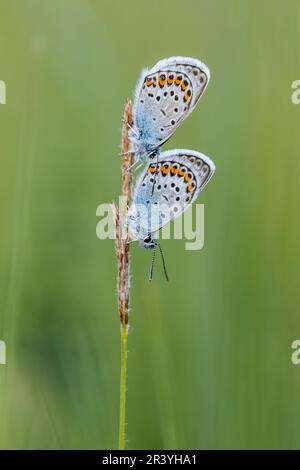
165	96
168	187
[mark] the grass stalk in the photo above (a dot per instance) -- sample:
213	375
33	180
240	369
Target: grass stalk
123	261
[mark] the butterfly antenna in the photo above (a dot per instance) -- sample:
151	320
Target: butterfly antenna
152	265
163	260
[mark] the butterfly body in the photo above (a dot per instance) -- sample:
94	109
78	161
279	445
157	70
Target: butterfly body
165	96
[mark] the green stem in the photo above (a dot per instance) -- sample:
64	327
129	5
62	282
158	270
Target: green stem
124	335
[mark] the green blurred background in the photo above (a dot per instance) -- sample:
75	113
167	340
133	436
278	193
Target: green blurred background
209	352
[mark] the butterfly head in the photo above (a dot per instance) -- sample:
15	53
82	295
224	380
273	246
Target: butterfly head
148	242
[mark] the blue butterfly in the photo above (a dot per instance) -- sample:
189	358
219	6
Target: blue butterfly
164	97
165	190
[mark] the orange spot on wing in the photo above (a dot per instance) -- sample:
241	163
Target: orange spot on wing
186	98
184	86
190	188
165	170
162	80
187	178
174	170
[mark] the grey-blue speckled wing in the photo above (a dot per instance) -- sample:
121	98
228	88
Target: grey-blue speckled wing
167	188
165	96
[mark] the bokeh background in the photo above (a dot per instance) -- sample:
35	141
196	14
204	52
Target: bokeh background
210	352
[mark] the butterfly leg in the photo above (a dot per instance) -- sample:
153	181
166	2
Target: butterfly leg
137	161
132	128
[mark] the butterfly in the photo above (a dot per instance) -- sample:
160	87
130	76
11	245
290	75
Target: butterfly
164	97
165	190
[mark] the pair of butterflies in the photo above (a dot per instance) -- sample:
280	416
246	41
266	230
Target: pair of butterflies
172	180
